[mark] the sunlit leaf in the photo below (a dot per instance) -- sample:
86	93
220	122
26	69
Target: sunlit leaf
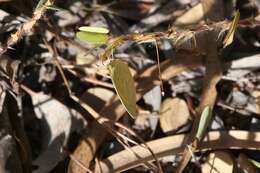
231	32
152	40
174	114
257	164
55	8
91	29
204	122
40	4
124	85
94	38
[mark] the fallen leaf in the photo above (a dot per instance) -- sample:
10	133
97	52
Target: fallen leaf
192	16
124	85
218	162
174	114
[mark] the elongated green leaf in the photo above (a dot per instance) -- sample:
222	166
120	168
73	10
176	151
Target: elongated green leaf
55	8
40	4
94	38
257	164
231	32
124	85
204	122
152	40
91	29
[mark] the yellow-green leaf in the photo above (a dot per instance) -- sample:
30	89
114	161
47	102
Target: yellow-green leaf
40	4
152	40
92	29
231	32
124	85
204	122
94	38
55	8
257	164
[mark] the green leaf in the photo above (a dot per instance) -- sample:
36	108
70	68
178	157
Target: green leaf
257	164
94	35
55	8
152	40
231	32
91	29
124	85
94	38
40	4
204	122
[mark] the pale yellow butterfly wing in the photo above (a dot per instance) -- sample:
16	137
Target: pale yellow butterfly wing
124	85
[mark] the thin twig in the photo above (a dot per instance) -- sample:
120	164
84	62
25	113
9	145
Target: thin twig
173	145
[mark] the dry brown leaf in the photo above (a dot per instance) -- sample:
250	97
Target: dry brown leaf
192	16
218	162
97	97
174	114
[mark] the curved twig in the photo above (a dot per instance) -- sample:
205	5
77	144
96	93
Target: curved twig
233	139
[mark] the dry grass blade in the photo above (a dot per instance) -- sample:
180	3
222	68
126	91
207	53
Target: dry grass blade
144	144
230	35
118	135
159	68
